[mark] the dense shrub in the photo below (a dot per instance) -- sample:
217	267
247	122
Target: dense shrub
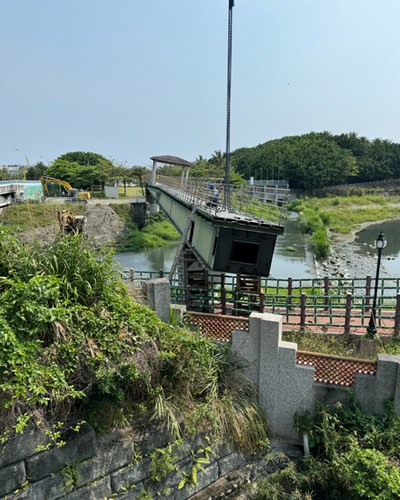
353	455
73	344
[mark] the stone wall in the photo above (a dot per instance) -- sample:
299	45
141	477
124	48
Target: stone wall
286	388
116	465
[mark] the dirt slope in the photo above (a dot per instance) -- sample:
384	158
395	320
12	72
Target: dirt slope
102	227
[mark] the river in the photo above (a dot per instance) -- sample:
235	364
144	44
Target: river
391	254
297	263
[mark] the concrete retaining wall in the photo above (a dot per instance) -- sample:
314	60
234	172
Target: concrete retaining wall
286	388
115	465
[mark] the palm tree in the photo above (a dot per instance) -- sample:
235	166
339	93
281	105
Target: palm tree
218	158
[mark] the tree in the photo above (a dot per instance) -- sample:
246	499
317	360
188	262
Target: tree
308	161
35	172
81	169
85	158
141	174
4	174
200	168
218	159
80	177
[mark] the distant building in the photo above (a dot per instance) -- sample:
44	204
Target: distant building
13	170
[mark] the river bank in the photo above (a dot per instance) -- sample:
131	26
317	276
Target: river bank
106	227
345	260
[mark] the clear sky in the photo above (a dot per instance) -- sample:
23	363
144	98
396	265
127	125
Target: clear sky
132	79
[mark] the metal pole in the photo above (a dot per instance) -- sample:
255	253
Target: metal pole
27	162
227	194
372	320
380	244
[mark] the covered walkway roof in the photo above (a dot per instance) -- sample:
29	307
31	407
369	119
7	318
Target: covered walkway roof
171	160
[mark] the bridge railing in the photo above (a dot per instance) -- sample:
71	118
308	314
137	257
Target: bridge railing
263	202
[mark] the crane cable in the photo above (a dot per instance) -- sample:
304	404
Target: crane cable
227	194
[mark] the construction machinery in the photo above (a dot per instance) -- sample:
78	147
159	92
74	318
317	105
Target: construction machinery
69	223
73	194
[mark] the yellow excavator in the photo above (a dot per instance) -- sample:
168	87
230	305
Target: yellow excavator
73	194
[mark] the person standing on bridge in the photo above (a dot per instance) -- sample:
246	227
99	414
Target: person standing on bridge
214	198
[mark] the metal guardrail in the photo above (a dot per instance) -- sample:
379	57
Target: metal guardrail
263	202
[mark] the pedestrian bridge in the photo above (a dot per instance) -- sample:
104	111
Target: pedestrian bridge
237	239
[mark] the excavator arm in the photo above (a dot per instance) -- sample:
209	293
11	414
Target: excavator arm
51	180
73	193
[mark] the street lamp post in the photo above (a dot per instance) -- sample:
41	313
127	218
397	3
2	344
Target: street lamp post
380	244
27	162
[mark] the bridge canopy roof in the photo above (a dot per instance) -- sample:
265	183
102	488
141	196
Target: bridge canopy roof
171	160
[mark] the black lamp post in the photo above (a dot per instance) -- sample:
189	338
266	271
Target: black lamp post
380	244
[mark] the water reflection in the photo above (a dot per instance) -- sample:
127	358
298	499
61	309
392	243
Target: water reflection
391	254
297	263
149	260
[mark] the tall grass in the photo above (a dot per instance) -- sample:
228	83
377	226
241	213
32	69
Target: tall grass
340	214
23	217
343	213
315	223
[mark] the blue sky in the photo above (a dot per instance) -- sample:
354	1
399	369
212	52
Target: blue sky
135	78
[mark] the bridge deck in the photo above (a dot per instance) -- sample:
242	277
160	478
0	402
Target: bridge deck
247	203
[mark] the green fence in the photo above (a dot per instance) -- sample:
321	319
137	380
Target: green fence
341	305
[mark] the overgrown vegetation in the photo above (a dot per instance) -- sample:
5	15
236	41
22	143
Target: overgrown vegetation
353	455
338	345
74	344
157	232
340	214
26	216
341	345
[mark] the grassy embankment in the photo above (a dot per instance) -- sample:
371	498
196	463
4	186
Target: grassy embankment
341	214
23	217
340	345
158	232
